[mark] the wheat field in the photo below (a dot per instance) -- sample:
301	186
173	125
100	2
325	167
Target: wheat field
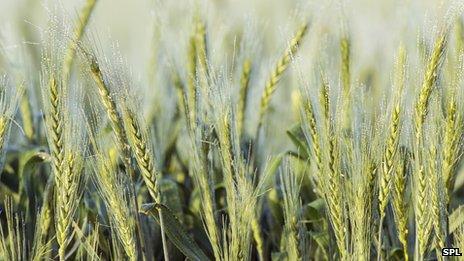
231	130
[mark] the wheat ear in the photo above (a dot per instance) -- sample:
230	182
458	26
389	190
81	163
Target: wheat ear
324	100
65	142
113	114
44	222
435	200
243	95
26	116
200	171
295	241
67	194
112	190
400	210
314	142
430	79
345	60
391	147
332	190
138	139
345	52
420	113
330	180
451	141
392	142
202	52
121	138
281	66
9	101
55	124
78	33
192	82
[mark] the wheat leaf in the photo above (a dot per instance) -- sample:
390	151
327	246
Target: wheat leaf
175	231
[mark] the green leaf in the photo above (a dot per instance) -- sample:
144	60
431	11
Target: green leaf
315	210
295	136
175	231
271	168
296	155
85	241
396	254
27	165
456	218
273	195
195	198
274	201
321	239
29	159
171	197
279	256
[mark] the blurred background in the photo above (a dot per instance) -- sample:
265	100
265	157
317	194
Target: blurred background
148	30
375	25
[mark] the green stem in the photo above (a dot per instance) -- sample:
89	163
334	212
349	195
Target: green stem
163	236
